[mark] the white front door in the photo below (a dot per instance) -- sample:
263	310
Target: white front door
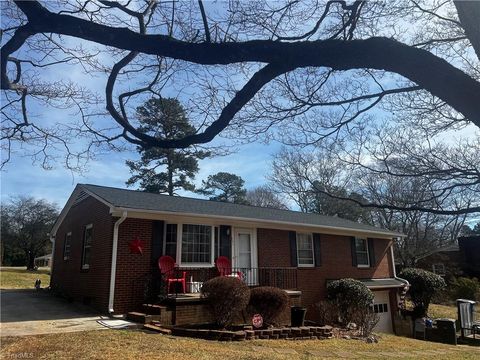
381	306
244	255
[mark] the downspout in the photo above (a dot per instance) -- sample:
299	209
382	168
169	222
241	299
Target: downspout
113	270
395	271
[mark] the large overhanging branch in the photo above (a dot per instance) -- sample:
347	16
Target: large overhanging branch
430	72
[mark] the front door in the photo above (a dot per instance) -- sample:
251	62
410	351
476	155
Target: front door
244	260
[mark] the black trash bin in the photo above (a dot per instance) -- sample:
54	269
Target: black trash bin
298	315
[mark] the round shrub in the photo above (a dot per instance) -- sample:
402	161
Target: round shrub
268	301
350	296
466	288
423	285
227	297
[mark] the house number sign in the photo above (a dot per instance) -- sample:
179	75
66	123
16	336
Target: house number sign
257	321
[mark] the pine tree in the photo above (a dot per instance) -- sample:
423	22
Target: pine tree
165	170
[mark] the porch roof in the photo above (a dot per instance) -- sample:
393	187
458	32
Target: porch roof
135	200
383	283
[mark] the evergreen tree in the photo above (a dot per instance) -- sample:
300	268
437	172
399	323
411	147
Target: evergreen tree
165	170
224	187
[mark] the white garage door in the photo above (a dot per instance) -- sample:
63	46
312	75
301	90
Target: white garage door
381	306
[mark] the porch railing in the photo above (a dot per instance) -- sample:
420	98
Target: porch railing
281	277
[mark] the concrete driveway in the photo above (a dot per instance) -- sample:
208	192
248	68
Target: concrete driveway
31	312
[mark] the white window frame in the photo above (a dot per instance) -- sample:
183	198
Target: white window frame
435	269
310	237
67	235
367	252
87	227
179	245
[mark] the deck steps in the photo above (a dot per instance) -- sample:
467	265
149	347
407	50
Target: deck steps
154	309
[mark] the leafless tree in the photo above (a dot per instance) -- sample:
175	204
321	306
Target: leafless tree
296	71
265	197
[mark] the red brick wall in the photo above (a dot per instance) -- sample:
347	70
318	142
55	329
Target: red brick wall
132	269
90	285
274	250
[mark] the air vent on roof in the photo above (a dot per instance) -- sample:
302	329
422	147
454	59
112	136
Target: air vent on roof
82	196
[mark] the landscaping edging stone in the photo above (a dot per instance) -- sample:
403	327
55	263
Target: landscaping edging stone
294	333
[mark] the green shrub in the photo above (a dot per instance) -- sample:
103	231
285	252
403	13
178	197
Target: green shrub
466	288
227	297
423	286
270	302
350	296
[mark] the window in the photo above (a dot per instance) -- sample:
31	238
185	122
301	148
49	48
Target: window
196	245
305	250
171	241
361	250
379	308
439	269
67	245
87	246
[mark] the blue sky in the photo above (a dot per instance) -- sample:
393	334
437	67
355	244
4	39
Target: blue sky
20	177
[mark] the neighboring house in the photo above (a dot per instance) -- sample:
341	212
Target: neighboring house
470	255
44	260
445	261
288	249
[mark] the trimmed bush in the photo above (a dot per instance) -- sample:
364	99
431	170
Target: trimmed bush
466	288
327	312
227	297
268	301
423	286
349	295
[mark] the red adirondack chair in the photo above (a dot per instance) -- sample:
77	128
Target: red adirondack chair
167	268
224	267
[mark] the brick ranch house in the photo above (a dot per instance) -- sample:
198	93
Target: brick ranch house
299	252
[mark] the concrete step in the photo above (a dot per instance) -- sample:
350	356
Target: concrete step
154	309
142	318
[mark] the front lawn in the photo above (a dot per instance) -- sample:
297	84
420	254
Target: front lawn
129	344
20	278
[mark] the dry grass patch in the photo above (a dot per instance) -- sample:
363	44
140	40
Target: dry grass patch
140	345
20	278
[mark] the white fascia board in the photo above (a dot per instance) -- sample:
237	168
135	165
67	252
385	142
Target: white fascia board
155	214
69	204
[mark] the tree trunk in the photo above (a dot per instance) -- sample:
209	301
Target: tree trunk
30	260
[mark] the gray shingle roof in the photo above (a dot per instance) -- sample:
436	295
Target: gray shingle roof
139	200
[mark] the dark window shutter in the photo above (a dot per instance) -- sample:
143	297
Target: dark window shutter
317	252
226	241
292	236
157	242
371	252
354	252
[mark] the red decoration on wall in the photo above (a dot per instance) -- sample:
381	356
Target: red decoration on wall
136	246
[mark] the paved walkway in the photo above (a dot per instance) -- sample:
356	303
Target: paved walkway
30	312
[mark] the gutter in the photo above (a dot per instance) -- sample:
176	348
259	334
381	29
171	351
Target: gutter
113	270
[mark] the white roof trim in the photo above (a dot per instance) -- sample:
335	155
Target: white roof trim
69	204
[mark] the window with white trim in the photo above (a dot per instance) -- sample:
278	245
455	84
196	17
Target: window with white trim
305	250
87	246
196	244
439	269
67	246
361	250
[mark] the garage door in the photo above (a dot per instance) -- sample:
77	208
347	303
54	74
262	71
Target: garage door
381	306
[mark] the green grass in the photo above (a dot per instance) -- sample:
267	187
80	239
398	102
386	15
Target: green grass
129	344
20	278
